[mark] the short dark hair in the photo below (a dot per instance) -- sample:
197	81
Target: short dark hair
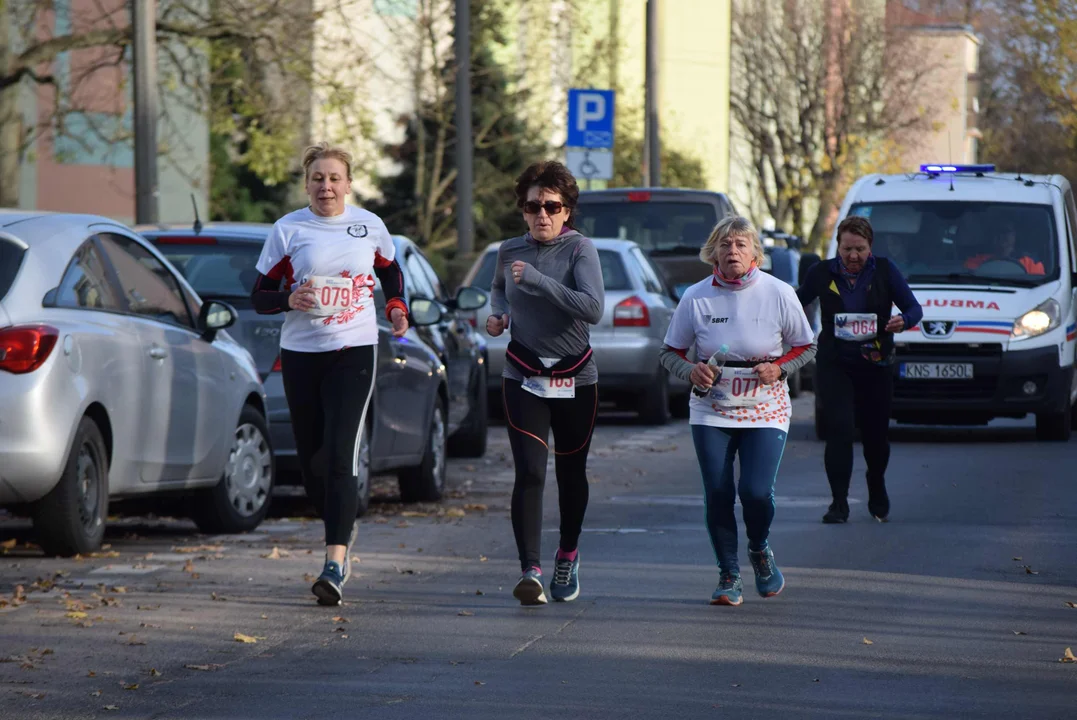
549	175
857	225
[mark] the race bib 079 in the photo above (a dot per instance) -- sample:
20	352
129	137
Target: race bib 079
855	326
738	387
332	294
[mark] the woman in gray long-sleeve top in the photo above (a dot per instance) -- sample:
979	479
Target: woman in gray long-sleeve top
547	290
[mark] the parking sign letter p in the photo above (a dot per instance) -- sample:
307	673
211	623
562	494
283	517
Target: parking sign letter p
590	107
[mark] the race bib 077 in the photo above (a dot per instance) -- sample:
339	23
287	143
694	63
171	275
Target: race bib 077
738	387
332	294
855	326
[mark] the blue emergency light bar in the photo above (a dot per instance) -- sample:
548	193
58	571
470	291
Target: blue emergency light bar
934	169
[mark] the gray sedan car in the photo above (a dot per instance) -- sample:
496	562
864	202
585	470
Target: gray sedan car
427	382
626	341
118	381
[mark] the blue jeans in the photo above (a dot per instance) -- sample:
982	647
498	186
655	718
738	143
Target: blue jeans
760	451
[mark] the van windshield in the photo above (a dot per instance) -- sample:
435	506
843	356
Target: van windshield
966	242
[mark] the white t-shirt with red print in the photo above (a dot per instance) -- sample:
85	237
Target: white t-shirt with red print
753	322
348	246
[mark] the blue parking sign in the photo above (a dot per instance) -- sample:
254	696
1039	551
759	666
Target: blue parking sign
590	118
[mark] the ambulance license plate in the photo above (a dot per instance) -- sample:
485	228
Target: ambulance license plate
936	371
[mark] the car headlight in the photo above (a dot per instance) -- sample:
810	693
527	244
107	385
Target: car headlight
1046	317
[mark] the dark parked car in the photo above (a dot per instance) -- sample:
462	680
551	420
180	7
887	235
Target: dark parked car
671	225
430	391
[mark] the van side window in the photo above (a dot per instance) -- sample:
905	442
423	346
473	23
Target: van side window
1071	218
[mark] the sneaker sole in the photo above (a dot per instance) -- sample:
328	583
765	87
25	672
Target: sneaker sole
529	592
326	593
567	598
774	592
724	600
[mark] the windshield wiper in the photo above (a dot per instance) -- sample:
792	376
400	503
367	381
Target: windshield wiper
968	278
677	250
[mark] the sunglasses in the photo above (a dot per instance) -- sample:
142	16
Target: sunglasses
552	207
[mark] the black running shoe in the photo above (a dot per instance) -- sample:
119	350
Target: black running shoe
838	512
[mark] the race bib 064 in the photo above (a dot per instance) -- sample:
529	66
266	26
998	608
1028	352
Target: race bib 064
738	387
332	294
855	326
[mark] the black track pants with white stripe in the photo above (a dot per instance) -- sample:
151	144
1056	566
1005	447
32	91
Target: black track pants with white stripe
328	396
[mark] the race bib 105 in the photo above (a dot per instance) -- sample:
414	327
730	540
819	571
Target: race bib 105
332	294
855	326
738	387
555	388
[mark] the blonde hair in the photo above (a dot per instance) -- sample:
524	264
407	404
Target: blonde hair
324	150
732	226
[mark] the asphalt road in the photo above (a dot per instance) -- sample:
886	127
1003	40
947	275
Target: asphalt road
956	608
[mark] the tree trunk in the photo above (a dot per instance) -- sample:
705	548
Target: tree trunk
10	117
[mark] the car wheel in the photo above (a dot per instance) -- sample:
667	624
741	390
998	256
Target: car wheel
70	520
240	501
679	406
363	474
1054	427
653	404
470	440
796	384
426	481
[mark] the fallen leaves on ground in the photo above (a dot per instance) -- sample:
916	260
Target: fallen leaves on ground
1017	559
341	619
204	668
1019	632
132	686
1068	657
188	567
483	558
479	682
154	672
105	554
414	513
149	607
465	613
95	693
455	512
136	641
9	544
868	642
276	554
189	549
215	596
112	707
76	615
34	695
1071	604
1030	571
249	639
475	507
309	577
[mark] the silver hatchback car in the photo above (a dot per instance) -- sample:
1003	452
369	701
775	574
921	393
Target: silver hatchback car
117	381
625	342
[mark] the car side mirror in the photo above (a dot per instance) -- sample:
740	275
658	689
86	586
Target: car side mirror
470	298
214	317
425	312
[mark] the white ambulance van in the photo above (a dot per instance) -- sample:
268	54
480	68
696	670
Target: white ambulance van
992	258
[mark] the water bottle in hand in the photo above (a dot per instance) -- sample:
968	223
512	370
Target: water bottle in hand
716	363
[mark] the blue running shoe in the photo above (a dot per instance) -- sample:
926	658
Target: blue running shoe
769	580
529	589
329	587
566	577
730	591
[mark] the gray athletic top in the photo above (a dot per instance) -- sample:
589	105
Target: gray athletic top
559	297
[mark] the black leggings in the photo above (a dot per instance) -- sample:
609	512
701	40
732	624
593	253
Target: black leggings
854	393
328	394
530	420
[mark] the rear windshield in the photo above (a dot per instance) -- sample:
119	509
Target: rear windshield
216	271
672	227
973	242
10	260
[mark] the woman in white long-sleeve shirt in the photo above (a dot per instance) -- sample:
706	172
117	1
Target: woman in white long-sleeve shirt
747	317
